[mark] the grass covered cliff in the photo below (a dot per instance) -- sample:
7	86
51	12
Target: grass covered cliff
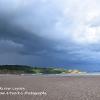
22	69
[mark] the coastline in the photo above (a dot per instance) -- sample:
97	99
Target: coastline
69	74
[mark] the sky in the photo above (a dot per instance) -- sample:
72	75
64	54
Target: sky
59	33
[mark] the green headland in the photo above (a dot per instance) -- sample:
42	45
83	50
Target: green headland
22	69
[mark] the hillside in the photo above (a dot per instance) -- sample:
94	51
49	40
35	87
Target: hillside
21	69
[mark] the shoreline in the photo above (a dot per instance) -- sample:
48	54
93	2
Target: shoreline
82	74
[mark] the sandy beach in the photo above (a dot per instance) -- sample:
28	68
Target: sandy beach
54	87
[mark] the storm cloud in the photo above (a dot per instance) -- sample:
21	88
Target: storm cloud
50	33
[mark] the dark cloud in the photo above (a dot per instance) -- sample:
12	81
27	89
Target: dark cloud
30	42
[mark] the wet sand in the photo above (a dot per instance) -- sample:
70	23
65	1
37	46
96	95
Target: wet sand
57	88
